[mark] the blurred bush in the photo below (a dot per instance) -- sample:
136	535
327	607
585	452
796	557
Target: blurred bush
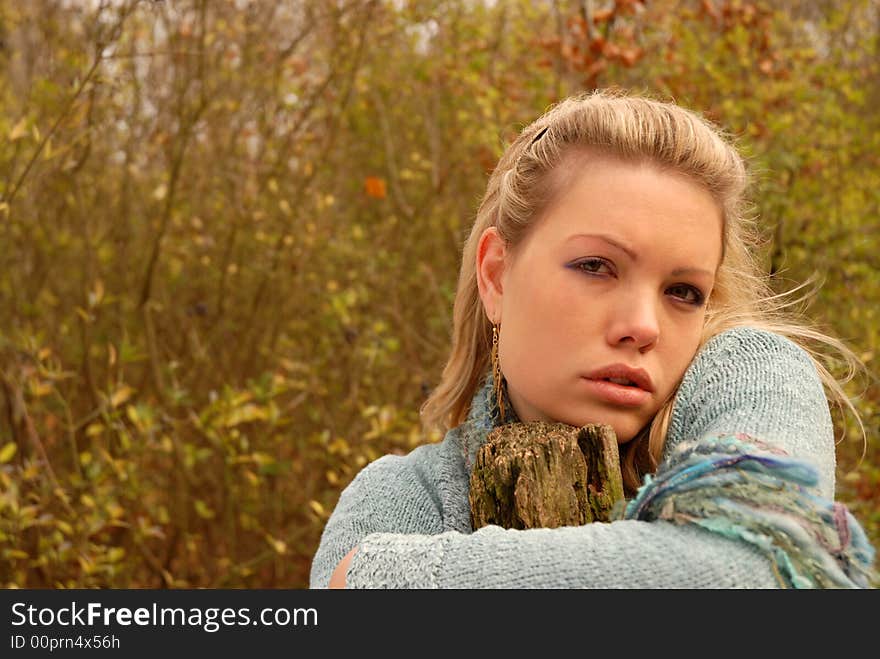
231	234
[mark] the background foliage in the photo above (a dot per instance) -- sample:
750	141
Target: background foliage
230	235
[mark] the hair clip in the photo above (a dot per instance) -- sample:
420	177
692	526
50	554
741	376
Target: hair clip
539	135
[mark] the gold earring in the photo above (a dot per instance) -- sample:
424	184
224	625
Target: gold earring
496	372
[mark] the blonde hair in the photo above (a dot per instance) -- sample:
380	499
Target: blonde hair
526	180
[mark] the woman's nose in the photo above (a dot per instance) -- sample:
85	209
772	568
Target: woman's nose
635	323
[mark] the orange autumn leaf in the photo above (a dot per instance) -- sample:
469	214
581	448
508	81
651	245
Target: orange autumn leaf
375	187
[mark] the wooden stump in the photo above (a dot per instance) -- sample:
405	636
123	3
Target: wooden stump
545	475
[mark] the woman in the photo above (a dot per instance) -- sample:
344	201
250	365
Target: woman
608	279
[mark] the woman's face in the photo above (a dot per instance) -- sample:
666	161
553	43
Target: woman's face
611	282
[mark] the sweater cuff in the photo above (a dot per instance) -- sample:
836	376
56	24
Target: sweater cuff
394	560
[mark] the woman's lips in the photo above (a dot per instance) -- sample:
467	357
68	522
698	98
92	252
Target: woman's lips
617	394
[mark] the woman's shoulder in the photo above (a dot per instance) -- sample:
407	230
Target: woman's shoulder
747	356
419	462
433	472
746	341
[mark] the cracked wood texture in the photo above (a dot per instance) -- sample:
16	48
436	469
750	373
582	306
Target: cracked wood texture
546	475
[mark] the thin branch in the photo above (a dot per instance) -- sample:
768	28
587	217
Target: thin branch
61	117
19	414
117	29
397	193
587	15
151	53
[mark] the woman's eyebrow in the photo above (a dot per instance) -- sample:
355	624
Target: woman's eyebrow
608	239
631	253
691	271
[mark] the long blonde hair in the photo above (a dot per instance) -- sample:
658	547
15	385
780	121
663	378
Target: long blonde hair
634	129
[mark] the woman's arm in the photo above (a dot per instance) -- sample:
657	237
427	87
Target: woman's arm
622	554
762	384
745	380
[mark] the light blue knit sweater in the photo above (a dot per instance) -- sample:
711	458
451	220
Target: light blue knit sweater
410	515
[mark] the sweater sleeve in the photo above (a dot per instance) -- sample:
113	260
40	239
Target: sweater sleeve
388	495
743	381
761	384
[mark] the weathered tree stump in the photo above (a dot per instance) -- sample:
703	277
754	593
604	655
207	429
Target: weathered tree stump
546	475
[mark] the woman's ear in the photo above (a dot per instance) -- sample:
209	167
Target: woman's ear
491	254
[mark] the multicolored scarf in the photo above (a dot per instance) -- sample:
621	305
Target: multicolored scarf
740	487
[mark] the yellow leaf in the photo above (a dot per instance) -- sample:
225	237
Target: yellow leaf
114	464
115	554
133	416
38	389
15	553
244	414
241	397
94	429
19	130
61	494
317	508
339	447
65	528
7	452
279	546
121	395
87	566
203	510
262	459
87	500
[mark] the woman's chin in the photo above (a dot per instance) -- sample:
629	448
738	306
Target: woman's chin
625	432
625	428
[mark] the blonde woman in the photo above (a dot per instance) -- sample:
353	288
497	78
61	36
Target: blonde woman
608	278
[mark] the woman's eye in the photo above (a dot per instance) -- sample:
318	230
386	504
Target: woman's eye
687	293
593	266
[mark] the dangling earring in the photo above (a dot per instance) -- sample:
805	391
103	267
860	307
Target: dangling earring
496	372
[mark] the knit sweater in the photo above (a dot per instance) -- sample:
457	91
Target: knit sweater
750	410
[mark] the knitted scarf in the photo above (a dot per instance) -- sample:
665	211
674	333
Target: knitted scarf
736	486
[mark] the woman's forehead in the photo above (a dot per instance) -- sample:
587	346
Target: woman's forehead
634	207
